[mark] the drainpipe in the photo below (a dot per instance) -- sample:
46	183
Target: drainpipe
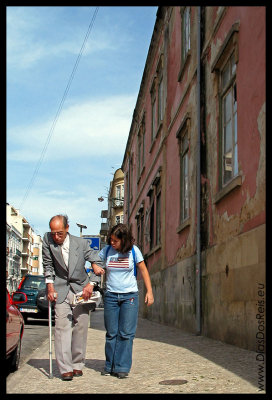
198	236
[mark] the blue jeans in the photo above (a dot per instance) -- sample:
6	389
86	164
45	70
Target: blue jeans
120	317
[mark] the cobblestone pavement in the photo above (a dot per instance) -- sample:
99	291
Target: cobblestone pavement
163	358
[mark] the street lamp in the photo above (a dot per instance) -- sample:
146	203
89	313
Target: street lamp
119	200
81	227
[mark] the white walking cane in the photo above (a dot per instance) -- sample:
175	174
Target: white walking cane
50	337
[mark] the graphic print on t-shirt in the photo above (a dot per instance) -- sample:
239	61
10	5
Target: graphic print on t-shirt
119	262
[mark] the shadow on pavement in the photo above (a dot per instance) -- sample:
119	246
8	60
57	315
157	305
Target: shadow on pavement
239	361
42	365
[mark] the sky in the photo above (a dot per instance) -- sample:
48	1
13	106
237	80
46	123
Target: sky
70	101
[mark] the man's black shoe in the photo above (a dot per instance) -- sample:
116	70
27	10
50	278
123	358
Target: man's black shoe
105	373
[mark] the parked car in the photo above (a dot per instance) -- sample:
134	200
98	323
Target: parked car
28	295
14	334
31	298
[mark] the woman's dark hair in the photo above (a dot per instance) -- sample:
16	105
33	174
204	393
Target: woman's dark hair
122	232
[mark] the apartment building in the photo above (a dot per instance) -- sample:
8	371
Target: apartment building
24	248
114	214
13	257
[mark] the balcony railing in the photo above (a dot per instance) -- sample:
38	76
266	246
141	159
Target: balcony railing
117	202
18	254
104	229
25	253
27	237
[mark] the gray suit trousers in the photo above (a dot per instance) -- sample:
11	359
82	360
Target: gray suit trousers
71	329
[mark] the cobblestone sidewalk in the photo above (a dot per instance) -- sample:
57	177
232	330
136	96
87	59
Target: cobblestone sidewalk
165	360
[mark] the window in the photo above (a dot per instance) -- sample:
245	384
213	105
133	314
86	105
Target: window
157	99
158	218
183	137
120	192
141	148
154	194
185	38
139	158
186	28
143	141
127	191
151	230
184	157
225	64
160	91
119	200
119	219
153	112
140	226
229	121
130	178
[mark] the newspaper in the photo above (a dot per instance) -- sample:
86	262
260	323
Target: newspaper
95	298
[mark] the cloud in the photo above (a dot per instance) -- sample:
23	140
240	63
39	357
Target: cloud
27	45
89	128
81	206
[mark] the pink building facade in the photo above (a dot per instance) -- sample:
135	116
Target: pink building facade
194	170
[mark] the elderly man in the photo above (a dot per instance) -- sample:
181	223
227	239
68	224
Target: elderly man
64	257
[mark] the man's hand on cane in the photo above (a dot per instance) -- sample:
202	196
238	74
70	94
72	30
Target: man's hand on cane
51	294
87	291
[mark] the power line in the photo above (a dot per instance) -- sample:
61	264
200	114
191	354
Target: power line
59	110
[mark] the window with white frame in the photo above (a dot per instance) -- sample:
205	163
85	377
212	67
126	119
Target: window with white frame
184	157
141	148
183	137
185	38
229	120
119	219
153	112
158	216
119	190
140	227
154	194
130	178
225	65
139	158
186	30
160	91
152	220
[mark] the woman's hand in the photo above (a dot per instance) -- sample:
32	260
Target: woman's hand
149	299
98	270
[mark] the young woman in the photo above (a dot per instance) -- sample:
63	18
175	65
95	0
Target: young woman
121	299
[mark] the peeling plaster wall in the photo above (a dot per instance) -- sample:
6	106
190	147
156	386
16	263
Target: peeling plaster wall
234	269
174	291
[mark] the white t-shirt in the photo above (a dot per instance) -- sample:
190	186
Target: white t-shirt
120	270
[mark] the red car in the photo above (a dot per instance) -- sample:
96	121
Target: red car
14	334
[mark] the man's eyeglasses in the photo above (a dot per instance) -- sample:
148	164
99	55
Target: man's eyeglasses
57	234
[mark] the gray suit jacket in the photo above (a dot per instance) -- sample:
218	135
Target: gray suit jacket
75	276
